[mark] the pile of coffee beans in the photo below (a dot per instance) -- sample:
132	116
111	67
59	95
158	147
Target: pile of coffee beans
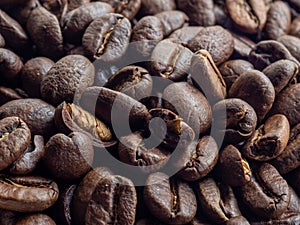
149	112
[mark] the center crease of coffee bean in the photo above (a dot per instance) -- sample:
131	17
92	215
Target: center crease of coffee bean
170	68
175	197
251	13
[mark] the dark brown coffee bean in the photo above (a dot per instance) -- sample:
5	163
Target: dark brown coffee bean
201	12
234	170
15	137
128	8
278	20
268	195
27	193
40	21
112	106
74	4
171	201
207	76
37	114
232	69
11	65
281	73
30	158
32	74
107	37
8	94
269	140
14	35
170	60
172	20
149	7
57	7
242	45
216	40
236	118
267	52
295	27
71	75
145	40
67	158
34	219
185	34
77	20
249	16
198	159
292	44
286	103
256	89
190	104
21	12
238	220
217	200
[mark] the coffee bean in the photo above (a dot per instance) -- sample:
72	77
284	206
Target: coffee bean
74	4
185	34
8	94
171	201
71	74
201	13
249	16
291	43
256	89
295	27
27	193
41	219
149	7
37	114
242	46
39	21
58	8
11	65
68	158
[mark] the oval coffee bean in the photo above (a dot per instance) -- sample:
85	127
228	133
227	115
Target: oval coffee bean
67	158
11	65
256	89
292	44
14	139
171	201
37	114
40	21
236	118
27	193
268	195
185	34
33	219
113	201
107	37
69	76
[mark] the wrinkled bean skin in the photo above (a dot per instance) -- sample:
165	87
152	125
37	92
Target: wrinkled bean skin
40	219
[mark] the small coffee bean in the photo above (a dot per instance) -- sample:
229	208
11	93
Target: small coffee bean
11	65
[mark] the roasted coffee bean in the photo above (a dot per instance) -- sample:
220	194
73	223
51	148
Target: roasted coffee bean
235	118
216	40
249	16
68	158
286	103
268	195
11	65
185	34
267	52
37	114
269	140
128	8
256	89
57	7
144	40
217	200
14	35
111	105
238	220
8	94
149	7
295	27
107	37
242	45
281	73
132	150
113	201
84	191
39	21
170	60
32	74
71	75
70	117
289	159
33	219
172	20
201	13
190	104
27	193
15	137
198	159
171	201
233	169
74	4
292	44
77	20
232	69
207	76
30	158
